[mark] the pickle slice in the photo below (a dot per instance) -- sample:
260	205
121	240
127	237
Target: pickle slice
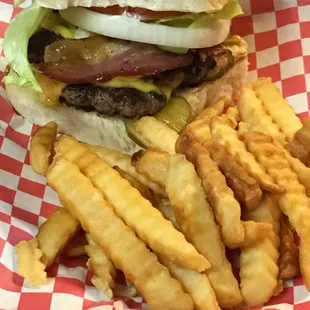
175	113
134	135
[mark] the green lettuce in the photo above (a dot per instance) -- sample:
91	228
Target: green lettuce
15	46
201	20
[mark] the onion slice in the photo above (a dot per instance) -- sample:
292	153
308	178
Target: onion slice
126	28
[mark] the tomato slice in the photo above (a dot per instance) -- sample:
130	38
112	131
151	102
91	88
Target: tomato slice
143	14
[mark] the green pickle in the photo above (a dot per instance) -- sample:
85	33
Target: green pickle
217	72
134	135
175	113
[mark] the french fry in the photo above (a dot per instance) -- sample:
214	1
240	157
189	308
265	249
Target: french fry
252	112
199	129
246	189
258	264
76	247
222	131
118	241
255	232
154	164
294	203
196	221
233	114
102	267
144	190
137	212
298	167
221	198
41	147
288	261
157	133
115	158
166	210
196	284
299	147
36	255
283	114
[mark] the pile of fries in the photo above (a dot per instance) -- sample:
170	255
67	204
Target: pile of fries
166	215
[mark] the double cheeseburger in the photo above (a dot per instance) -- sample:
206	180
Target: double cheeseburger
96	66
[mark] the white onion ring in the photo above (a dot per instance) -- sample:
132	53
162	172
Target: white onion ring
127	28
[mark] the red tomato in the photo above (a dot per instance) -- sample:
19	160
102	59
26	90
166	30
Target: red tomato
143	14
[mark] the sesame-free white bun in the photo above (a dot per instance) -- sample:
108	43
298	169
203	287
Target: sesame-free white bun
110	131
193	6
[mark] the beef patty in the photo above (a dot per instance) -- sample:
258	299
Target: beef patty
126	102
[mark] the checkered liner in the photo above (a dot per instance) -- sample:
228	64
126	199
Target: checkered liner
278	34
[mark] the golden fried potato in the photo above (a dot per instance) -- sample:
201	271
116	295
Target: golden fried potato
157	133
36	255
196	284
196	221
116	158
233	114
258	264
102	267
252	112
298	167
299	147
144	190
222	131
283	114
294	203
153	164
76	247
199	129
288	261
41	147
166	210
221	198
246	189
137	212
255	232
118	241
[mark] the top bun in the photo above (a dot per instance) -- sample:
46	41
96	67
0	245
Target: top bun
193	6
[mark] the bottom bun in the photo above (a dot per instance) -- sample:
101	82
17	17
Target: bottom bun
110	131
208	93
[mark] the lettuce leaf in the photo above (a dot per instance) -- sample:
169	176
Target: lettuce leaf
201	20
15	46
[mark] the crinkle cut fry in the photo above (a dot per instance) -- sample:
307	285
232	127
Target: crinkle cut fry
294	203
196	221
115	158
246	189
119	242
288	261
76	247
36	255
158	134
41	147
199	128
283	114
196	284
259	263
222	131
136	211
252	112
102	267
221	198
299	147
298	167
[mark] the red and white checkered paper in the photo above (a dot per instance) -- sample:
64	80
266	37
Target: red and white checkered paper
278	34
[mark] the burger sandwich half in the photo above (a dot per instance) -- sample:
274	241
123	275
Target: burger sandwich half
96	66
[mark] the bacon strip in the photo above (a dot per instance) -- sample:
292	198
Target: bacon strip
140	59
